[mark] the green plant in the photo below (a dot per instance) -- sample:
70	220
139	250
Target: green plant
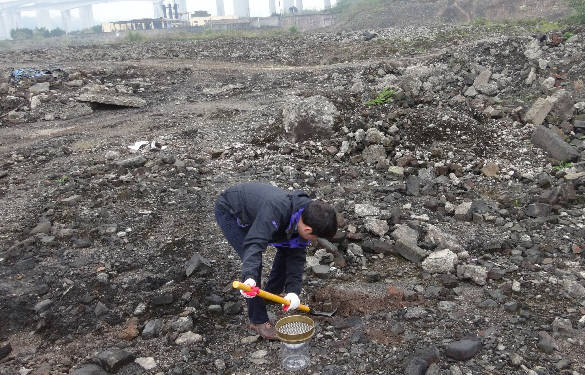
481	21
517	203
567	35
63	179
385	96
21	34
57	32
562	165
293	29
134	36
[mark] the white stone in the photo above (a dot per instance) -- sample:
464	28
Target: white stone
366	210
476	273
516	286
147	363
549	83
441	261
188	338
355	249
398	171
531	77
533	51
35	102
462	211
259	354
446	305
377	227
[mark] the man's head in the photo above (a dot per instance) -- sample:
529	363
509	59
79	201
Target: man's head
318	220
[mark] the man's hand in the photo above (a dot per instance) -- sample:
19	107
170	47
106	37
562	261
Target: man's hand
294	302
253	292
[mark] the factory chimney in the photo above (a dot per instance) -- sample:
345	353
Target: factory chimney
176	7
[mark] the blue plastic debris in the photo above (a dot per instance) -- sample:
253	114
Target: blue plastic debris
18	74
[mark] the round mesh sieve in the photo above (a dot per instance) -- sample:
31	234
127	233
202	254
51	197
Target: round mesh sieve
295	329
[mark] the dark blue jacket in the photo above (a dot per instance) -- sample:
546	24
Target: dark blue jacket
270	216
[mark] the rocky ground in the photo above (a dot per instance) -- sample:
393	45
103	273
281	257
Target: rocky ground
461	200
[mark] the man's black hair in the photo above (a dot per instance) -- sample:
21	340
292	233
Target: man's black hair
321	217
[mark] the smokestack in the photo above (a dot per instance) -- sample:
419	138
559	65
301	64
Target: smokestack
176	7
272	6
170	10
164	9
220	7
299	5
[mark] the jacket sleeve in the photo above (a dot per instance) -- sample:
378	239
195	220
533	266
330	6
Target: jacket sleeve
294	270
260	233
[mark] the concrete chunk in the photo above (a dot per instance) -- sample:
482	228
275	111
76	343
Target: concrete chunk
441	261
538	112
114	100
476	273
410	251
552	143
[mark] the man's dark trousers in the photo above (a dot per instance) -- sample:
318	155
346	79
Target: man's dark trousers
235	235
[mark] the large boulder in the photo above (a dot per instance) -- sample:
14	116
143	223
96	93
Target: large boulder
309	118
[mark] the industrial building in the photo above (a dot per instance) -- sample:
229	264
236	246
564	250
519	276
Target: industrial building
167	14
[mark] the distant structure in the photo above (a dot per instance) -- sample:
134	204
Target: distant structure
285	6
272	6
219	8
241	8
11	13
143	24
299	5
326	4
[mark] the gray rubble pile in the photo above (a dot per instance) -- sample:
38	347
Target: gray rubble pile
461	200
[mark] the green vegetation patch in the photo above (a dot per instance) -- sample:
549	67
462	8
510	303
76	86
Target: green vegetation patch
385	96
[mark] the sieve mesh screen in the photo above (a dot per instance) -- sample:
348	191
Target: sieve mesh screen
294	328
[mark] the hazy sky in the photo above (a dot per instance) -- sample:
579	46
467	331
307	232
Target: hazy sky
125	10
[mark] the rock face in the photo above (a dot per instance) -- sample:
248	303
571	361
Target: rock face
309	118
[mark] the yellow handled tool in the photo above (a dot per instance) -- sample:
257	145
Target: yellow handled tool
269	296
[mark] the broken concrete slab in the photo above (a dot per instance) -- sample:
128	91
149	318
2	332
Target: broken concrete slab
410	251
441	261
114	100
38	88
552	143
538	112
